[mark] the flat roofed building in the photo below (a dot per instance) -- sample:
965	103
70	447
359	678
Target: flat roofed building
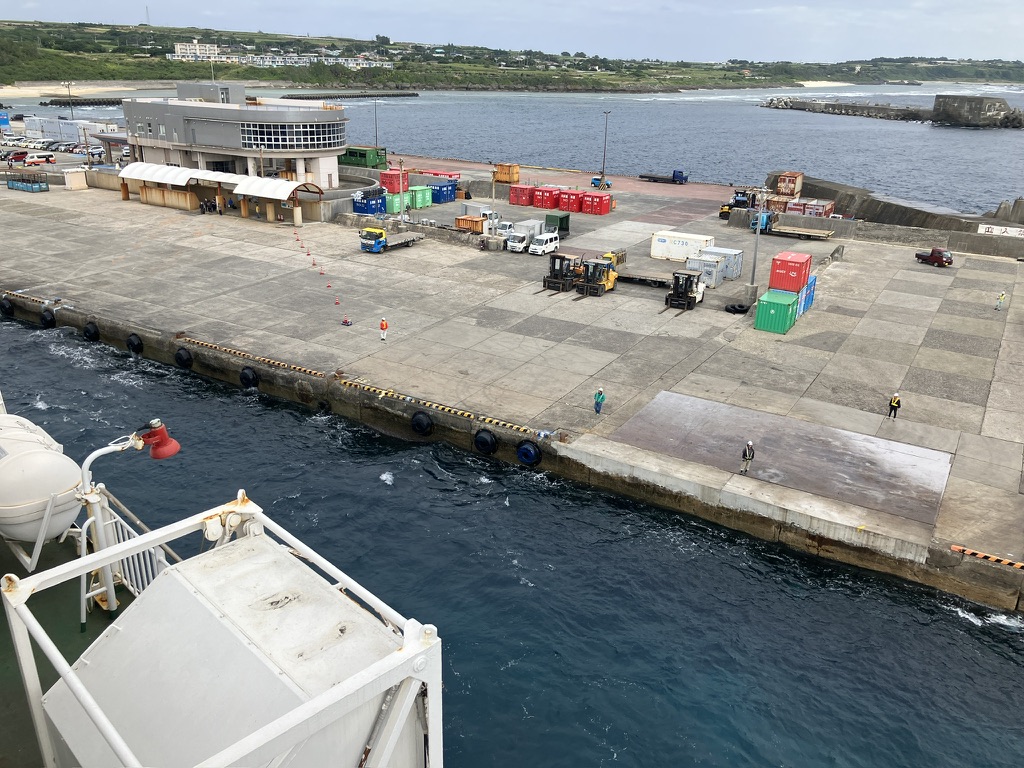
212	126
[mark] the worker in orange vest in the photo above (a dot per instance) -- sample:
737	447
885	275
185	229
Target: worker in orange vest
383	329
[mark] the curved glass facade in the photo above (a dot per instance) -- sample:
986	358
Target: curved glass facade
297	136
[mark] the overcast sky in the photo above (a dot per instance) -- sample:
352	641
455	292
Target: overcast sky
672	30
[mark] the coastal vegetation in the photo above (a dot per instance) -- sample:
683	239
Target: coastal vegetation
49	51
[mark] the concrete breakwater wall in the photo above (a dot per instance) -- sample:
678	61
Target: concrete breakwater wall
796	519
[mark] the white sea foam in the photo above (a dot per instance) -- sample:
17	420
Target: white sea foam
388	478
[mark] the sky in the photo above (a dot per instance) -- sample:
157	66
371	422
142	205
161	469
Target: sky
670	30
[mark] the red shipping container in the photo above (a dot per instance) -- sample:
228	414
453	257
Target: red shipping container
395	181
795	206
571	200
790	271
546	197
521	194
598	203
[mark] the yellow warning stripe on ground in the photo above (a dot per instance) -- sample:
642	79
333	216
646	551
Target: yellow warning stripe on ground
27	297
254	358
983	556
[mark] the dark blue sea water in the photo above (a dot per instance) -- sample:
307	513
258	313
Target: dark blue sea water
579	629
717	136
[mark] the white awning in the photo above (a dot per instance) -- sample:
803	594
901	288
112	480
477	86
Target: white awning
251	186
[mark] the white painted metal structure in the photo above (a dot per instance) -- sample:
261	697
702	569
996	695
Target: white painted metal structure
250	186
256	652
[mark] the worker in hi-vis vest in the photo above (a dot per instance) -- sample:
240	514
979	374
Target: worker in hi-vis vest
383	329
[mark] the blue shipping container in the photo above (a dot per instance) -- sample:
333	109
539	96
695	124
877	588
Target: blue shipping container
806	296
442	192
369	205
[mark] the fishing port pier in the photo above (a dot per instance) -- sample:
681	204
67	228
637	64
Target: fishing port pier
477	345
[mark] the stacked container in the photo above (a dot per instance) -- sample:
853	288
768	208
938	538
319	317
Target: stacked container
394	181
790	183
712	267
442	192
571	200
790	271
547	197
421	197
521	194
398	203
777	203
598	203
776	311
806	296
732	260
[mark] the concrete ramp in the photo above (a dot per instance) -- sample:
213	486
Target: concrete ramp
871	472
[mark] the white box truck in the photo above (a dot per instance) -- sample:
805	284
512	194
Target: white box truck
522	234
678	246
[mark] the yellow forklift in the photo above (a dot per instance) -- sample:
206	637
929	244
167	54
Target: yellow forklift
564	273
687	290
598	277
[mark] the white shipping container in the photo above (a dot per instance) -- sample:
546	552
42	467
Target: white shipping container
732	264
712	268
678	246
531	227
476	209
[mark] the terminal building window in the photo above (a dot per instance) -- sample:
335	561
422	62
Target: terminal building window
293	135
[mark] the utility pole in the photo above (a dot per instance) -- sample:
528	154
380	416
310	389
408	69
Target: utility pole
604	153
67	84
759	213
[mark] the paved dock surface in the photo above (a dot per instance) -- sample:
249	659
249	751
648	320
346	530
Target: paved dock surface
476	331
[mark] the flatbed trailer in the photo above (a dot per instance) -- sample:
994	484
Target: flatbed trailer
802	233
676	177
645	275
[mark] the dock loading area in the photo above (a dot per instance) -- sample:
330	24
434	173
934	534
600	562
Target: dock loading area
476	331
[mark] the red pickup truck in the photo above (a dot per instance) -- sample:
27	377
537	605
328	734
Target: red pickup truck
937	257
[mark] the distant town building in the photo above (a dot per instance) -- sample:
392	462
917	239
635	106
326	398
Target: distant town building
196	51
212	126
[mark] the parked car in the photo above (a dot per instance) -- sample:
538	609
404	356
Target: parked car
65	146
18	155
126	151
96	152
52	146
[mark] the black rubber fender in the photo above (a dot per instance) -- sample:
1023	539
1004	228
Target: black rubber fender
47	319
737	309
6	307
183	358
91	331
248	378
134	344
422	423
529	453
485	442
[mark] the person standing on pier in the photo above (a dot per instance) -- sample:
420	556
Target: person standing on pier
746	457
598	400
1000	299
383	329
894	406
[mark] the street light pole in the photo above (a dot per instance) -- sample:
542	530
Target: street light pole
67	84
604	153
752	291
261	161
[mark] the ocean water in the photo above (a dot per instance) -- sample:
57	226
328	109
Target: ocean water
579	628
716	136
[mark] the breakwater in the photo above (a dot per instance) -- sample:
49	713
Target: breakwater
950	110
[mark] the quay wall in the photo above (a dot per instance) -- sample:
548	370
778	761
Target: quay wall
799	520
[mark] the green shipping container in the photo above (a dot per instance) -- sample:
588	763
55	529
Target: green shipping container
421	197
398	203
557	222
776	311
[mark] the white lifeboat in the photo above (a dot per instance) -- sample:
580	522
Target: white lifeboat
34	469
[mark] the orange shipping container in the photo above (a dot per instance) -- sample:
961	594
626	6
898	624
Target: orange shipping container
470	223
506	173
777	203
790	183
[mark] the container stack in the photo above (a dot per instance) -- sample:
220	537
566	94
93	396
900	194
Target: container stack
809	206
790	284
369	201
521	194
395	181
397	203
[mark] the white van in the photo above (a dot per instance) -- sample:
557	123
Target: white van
546	243
40	158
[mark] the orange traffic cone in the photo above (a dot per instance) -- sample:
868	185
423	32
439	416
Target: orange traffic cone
337	301
314	261
328	283
321	270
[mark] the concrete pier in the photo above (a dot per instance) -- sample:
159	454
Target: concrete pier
477	344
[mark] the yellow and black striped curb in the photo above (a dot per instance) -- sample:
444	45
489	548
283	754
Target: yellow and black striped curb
33	299
381	393
254	358
983	556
